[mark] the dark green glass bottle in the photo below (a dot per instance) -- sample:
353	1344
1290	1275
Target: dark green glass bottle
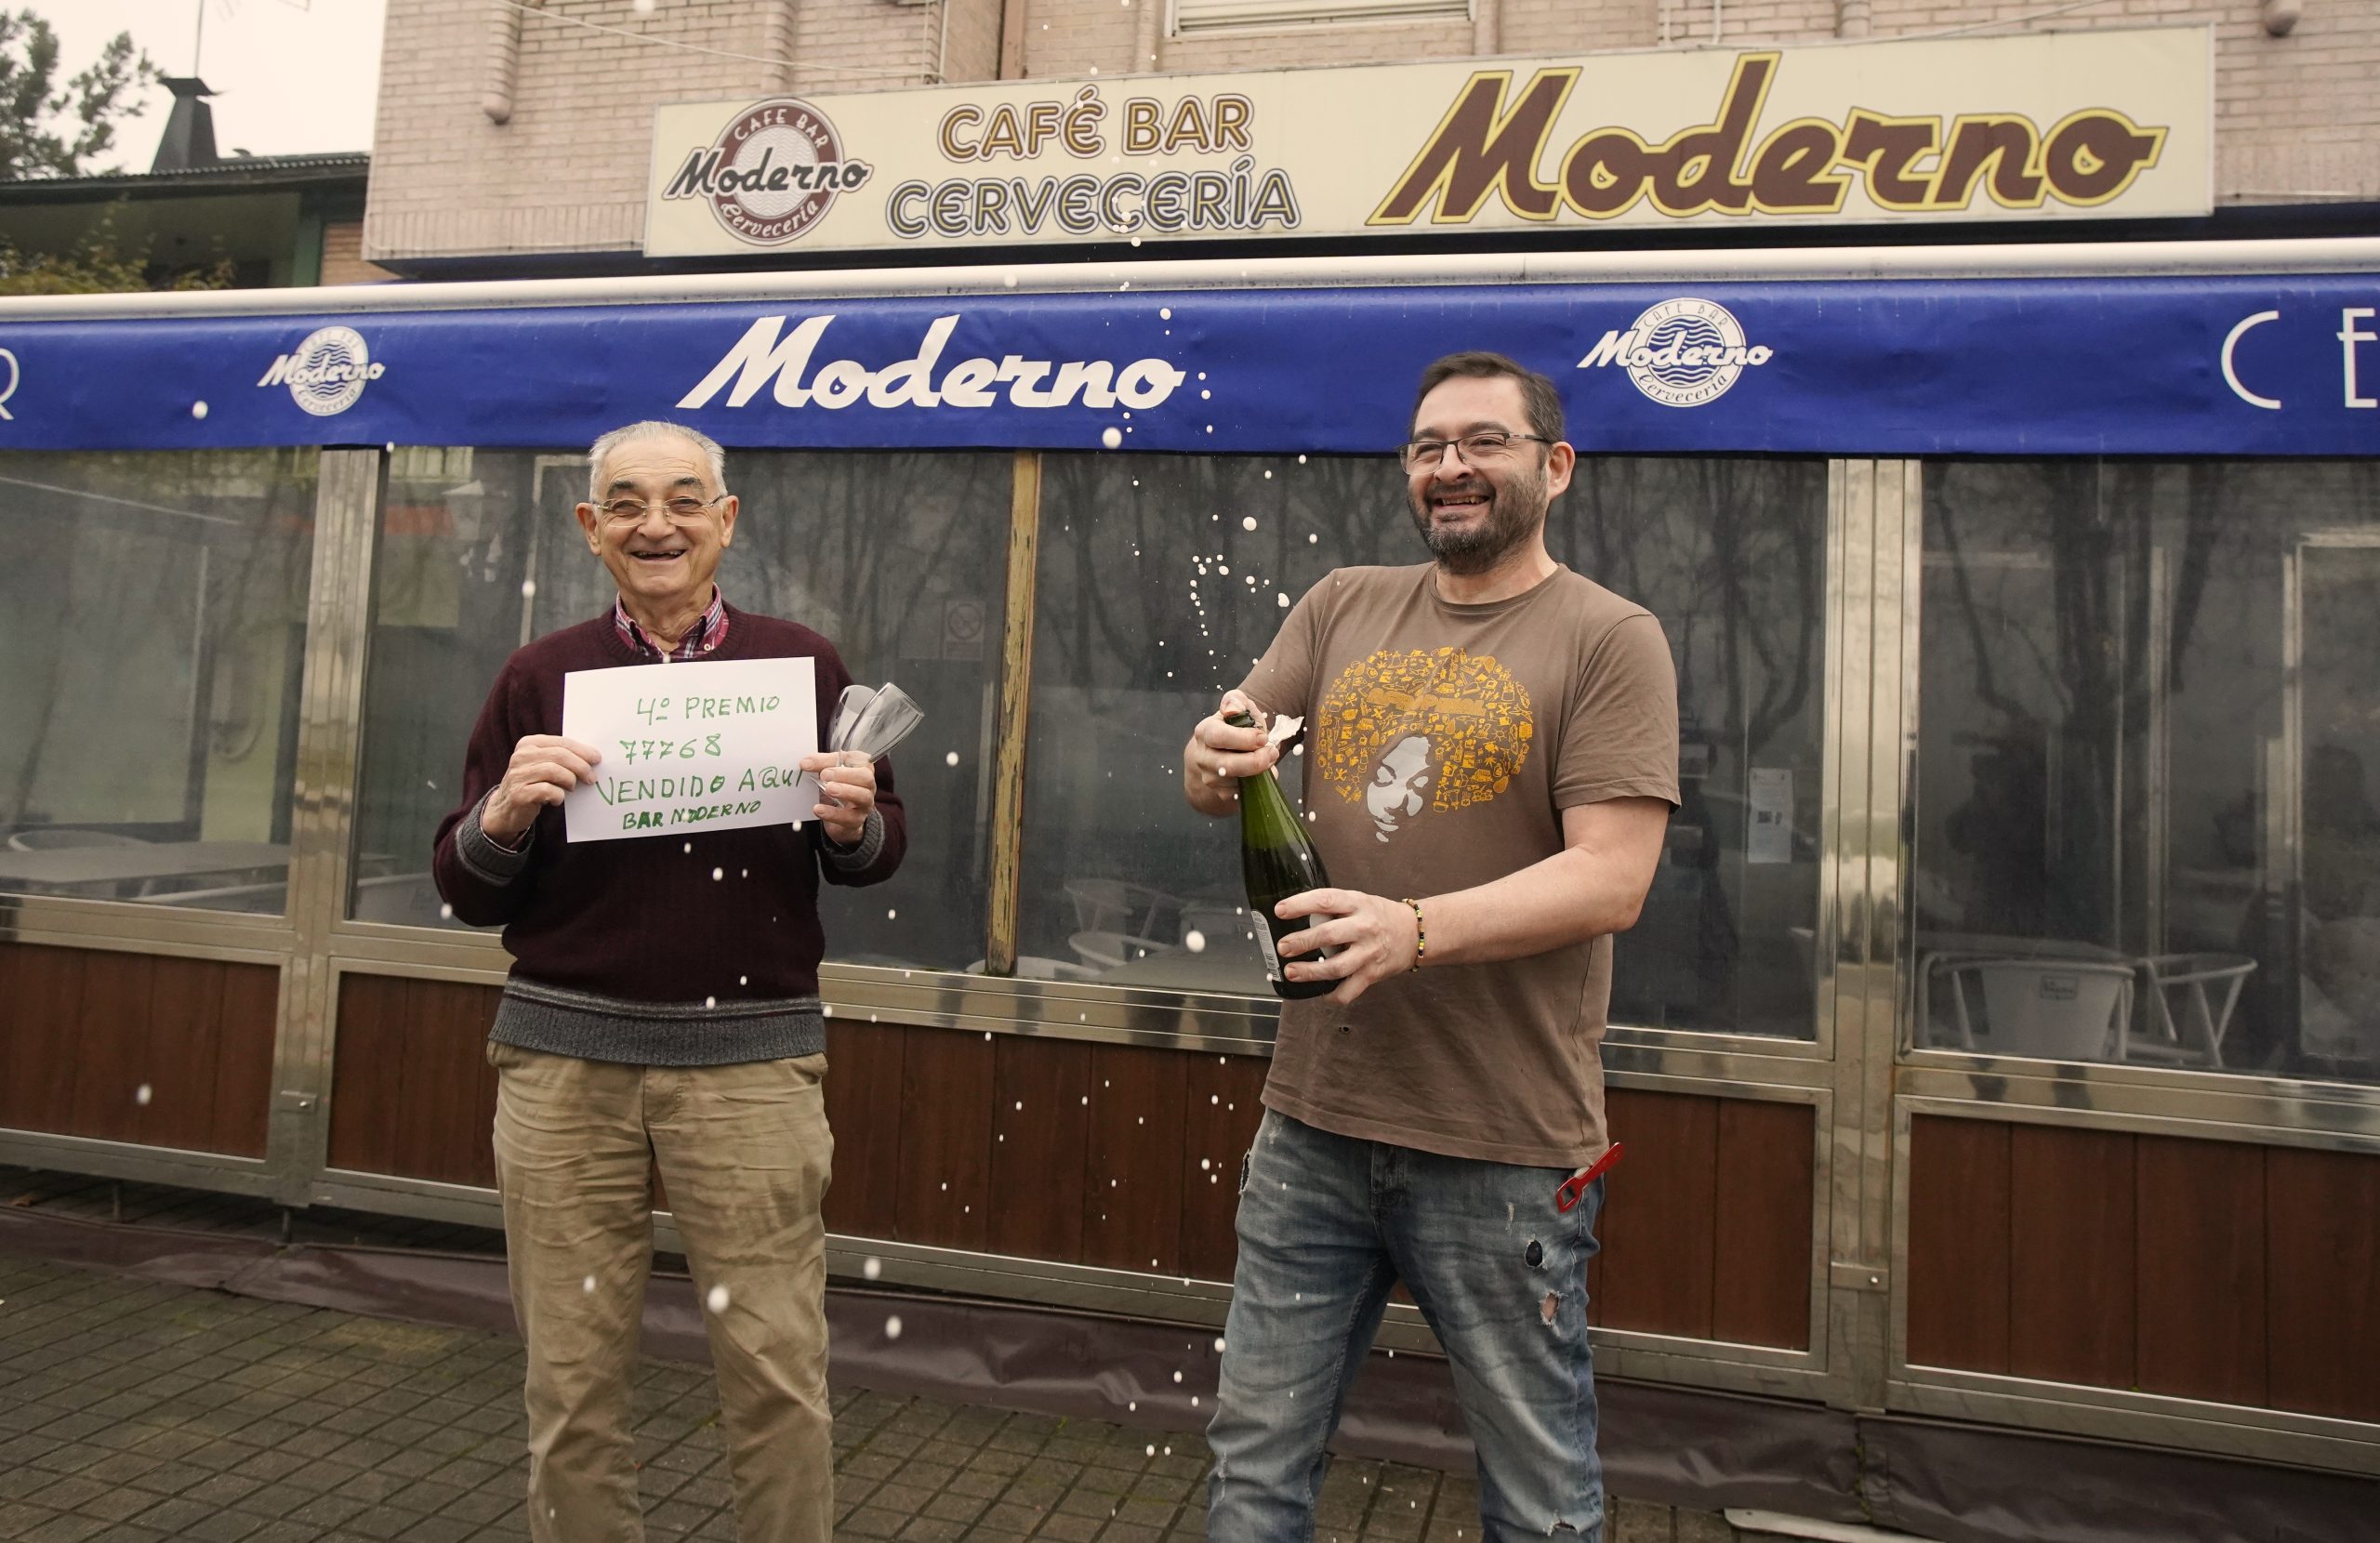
1278	859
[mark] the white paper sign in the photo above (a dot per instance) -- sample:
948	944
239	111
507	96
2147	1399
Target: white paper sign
1770	838
711	745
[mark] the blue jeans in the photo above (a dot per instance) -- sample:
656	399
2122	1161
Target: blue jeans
1327	1225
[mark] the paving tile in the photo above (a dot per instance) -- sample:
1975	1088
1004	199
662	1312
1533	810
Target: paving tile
64	1529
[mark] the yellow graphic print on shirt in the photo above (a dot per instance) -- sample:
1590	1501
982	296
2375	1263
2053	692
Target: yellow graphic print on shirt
1440	730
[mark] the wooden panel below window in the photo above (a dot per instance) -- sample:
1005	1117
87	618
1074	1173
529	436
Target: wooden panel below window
1223	1104
1133	1195
2196	1268
2072	1284
1707	1221
864	1110
1761	1223
1040	1139
412	1094
1958	1244
945	1139
2322	1274
2202	1314
147	1049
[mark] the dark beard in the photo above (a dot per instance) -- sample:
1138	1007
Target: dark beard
1515	511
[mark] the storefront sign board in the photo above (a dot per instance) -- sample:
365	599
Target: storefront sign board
2094	123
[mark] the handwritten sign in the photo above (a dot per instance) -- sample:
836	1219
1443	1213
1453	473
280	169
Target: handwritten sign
714	745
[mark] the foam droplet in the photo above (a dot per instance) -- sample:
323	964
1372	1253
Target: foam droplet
588	1285
528	588
871	1268
1195	941
892	1328
198	409
717	874
951	758
1111	436
717	1299
142	1095
1248	523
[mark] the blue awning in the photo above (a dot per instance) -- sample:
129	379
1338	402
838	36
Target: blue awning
2211	365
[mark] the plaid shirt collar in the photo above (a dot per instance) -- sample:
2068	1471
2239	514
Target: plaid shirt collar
706	634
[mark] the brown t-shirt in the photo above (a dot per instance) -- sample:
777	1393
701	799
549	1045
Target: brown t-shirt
1442	743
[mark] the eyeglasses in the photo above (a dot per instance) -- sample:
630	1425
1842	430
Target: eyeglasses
681	511
1478	449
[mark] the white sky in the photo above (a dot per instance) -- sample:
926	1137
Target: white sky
293	76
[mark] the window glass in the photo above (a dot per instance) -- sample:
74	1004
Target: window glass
898	558
152	612
1731	555
1163	577
2147	828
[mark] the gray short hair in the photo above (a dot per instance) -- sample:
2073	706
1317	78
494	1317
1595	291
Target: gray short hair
651	429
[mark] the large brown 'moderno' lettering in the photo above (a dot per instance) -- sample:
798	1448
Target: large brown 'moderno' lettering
1910	165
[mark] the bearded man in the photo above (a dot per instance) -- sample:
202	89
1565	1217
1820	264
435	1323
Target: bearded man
1495	744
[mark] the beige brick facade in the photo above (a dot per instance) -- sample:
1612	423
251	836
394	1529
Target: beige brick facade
574	83
343	256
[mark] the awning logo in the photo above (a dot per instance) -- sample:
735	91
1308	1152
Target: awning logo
1681	353
772	174
327	371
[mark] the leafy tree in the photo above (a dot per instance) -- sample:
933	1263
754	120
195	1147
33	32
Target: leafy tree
46	130
98	265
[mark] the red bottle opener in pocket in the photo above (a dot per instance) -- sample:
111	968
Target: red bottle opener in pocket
1575	1187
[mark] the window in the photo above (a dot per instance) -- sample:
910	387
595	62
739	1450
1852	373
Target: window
1731	555
154	613
1163	577
898	558
2147	828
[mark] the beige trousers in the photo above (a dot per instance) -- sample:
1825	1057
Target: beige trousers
744	1153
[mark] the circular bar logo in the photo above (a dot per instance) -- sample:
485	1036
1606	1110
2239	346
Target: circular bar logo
772	174
1681	352
327	371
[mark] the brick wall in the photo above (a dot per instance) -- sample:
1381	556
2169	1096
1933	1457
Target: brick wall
567	171
2297	118
343	256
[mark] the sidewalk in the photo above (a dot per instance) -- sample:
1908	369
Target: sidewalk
135	1410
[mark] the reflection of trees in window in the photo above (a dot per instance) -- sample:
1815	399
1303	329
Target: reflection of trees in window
2060	769
178	574
856	545
1735	547
1127	537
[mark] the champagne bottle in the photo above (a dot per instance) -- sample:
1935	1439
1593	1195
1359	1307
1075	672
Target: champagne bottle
1278	859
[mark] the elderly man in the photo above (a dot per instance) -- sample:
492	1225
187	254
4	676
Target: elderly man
662	1013
1495	740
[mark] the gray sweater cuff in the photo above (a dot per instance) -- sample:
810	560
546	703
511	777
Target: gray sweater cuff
871	842
485	857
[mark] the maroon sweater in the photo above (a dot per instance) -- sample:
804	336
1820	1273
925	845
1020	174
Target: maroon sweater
632	950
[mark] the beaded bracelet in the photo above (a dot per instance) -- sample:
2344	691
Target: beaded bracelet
1421	938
